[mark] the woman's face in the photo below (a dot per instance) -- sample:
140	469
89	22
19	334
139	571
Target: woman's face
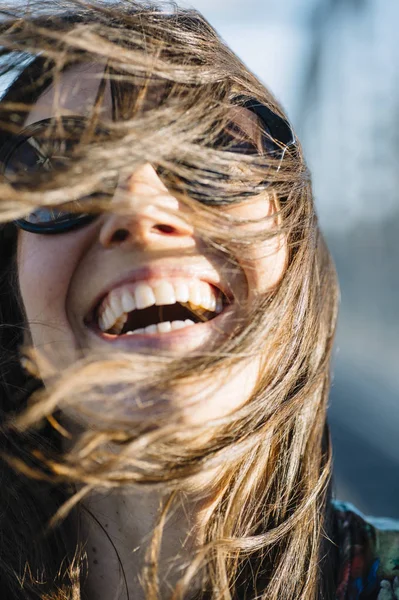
147	256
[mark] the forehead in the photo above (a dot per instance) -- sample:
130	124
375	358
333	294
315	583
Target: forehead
75	92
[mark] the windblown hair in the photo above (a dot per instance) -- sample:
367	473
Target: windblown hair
267	533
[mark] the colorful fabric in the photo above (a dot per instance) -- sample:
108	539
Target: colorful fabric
368	556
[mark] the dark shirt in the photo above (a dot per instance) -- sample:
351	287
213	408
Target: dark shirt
368	555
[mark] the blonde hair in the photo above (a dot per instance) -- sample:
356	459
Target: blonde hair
265	535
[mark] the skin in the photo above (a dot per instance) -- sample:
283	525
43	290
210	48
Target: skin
73	268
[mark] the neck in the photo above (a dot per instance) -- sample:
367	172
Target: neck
118	527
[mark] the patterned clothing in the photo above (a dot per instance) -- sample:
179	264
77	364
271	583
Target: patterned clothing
368	556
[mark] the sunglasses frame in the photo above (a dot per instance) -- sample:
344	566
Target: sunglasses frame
279	128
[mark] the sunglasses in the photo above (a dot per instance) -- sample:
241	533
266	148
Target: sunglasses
39	149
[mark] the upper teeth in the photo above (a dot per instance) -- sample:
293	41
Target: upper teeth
114	309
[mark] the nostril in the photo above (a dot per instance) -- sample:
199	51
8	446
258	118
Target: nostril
119	235
168	229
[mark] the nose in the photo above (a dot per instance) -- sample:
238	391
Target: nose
149	220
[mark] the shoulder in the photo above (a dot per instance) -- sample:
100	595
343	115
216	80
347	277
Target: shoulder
368	555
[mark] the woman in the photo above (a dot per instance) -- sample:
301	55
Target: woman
168	311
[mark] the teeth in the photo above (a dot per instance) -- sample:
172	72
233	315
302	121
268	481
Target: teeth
178	325
144	296
102	323
164	327
110	316
198	310
128	302
116	306
119	325
151	329
182	292
213	304
197	295
164	294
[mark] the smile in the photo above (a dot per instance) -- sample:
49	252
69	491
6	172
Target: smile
157	307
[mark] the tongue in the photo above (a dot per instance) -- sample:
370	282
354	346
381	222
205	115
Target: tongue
157	314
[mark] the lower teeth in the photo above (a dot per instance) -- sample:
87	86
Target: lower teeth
164	327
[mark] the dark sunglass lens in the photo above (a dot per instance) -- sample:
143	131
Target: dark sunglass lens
41	148
45	215
34	156
234	139
249	134
45	146
24	158
277	134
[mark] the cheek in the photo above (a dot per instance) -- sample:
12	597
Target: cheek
264	263
45	268
39	268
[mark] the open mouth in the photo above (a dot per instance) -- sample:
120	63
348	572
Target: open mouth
157	307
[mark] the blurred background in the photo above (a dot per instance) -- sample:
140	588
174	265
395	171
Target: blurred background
334	65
